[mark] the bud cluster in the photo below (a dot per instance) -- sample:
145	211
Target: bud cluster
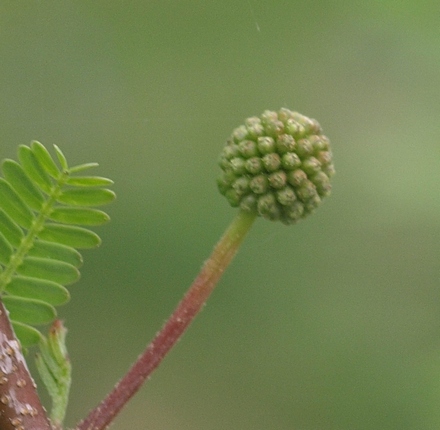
277	165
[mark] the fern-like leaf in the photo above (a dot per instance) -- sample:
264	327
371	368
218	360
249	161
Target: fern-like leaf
44	214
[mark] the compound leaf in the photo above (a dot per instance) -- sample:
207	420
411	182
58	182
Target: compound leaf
42	208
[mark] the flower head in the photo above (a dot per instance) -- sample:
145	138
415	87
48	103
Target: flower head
277	165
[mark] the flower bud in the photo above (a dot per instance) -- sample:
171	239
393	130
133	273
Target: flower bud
248	148
271	162
266	145
278	179
277	166
254	165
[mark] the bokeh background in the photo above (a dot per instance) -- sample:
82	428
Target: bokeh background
333	324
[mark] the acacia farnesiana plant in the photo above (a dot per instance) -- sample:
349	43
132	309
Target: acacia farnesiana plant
44	207
277	166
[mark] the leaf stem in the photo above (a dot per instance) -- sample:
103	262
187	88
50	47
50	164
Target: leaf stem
28	241
100	417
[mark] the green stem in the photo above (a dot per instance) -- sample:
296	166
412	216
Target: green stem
100	417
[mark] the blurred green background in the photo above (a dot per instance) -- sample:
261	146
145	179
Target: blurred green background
333	324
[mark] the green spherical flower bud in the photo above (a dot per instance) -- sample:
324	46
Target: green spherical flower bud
277	166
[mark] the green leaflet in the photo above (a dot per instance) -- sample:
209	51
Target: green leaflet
61	158
52	270
10	229
87	196
81	167
45	160
27	334
29	311
82	216
33	168
76	237
56	251
6	250
23	186
44	207
14	206
89	181
41	289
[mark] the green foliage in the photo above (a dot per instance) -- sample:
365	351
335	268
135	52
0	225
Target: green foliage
43	211
55	370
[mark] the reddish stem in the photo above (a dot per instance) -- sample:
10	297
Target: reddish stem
20	406
100	417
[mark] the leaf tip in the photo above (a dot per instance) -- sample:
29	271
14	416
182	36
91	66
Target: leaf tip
61	157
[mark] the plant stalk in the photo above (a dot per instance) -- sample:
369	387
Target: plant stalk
20	406
100	417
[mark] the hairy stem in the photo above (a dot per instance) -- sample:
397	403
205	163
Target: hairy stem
100	417
20	406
